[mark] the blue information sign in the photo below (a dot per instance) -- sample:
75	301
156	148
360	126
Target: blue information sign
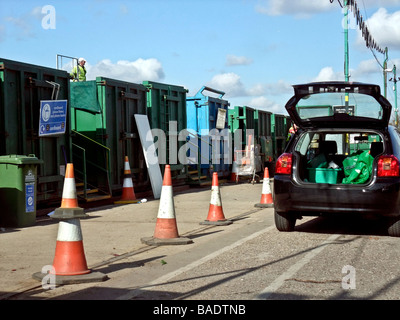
30	196
53	116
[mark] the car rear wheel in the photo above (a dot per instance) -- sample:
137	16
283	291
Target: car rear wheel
394	227
284	221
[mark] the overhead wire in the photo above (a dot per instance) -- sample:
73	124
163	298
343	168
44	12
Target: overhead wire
372	51
362	24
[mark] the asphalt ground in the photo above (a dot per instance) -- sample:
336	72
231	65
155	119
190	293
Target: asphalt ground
112	231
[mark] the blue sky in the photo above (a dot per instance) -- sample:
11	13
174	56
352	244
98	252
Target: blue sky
253	50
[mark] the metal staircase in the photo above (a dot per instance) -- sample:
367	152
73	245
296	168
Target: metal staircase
91	165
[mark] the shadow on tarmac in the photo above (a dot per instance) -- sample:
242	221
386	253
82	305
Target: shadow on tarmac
354	225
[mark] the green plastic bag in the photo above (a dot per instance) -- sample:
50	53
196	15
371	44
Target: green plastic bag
349	163
357	168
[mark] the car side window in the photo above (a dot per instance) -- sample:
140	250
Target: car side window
303	143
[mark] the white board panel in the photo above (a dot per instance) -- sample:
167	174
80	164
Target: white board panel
150	155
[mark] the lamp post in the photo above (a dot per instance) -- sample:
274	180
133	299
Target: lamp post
346	41
394	79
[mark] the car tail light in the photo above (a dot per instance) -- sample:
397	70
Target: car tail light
388	166
284	164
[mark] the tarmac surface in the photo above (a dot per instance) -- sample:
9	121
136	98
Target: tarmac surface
112	231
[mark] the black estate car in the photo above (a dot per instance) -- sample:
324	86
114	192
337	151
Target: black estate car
343	159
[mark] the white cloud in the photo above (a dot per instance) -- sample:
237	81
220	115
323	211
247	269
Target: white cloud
298	8
24	25
131	71
36	13
328	74
384	28
381	3
307	8
395	62
365	69
257	96
278	88
258	89
230	83
232	60
263	103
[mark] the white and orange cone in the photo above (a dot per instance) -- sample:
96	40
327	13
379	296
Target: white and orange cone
69	203
128	193
166	231
266	194
70	257
215	212
69	264
234	173
69	199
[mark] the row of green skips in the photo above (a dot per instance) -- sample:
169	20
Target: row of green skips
100	128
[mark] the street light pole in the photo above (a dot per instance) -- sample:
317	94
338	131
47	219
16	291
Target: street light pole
385	73
346	41
394	79
396	120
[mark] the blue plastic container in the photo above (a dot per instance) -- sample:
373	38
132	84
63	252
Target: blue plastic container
206	116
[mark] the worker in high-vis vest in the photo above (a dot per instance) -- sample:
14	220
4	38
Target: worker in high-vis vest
78	73
292	131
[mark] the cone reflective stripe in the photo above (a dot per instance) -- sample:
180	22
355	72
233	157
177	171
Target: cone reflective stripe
69	203
69	199
69	257
215	212
166	231
128	193
266	194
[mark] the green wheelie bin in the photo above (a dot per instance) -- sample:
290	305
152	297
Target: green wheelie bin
18	179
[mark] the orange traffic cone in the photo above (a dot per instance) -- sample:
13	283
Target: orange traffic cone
69	261
69	203
70	258
166	231
215	212
266	195
128	193
234	173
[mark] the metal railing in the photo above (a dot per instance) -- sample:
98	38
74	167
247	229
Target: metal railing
88	166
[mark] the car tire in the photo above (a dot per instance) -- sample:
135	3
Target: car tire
394	227
284	221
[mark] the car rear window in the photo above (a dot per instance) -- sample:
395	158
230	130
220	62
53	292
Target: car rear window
328	103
